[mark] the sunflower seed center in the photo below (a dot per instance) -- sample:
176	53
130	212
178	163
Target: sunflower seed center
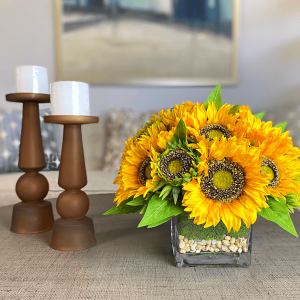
176	163
175	166
145	171
214	130
268	171
222	180
225	180
270	168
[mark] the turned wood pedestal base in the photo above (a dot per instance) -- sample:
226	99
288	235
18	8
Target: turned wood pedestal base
72	235
34	214
32	217
73	231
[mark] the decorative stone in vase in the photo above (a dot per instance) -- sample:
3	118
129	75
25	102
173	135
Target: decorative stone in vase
196	246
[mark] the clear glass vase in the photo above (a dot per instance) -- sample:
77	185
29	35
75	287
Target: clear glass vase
206	257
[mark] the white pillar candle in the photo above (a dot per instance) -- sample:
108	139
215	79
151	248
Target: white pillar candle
70	98
32	79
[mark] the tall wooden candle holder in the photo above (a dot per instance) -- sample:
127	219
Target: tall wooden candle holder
33	214
73	231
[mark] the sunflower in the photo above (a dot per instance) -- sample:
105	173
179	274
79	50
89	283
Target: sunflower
118	179
164	137
137	172
231	189
212	123
171	117
151	128
252	122
152	138
280	159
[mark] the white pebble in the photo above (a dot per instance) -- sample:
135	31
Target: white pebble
233	248
213	242
219	244
186	240
181	245
225	242
198	251
224	248
193	247
243	243
240	250
232	240
227	237
182	251
208	242
180	237
245	249
238	244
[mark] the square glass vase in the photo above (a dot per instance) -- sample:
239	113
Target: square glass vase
208	258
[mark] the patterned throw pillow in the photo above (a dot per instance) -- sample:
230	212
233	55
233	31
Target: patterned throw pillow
121	125
10	133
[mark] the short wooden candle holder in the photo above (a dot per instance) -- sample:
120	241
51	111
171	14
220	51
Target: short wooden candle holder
73	231
33	214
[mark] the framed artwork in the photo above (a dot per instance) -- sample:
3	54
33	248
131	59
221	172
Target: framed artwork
147	42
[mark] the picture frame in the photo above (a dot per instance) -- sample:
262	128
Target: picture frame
108	50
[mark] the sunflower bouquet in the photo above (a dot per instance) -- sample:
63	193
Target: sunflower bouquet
215	166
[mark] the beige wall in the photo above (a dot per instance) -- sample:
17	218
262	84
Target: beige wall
26	38
269	59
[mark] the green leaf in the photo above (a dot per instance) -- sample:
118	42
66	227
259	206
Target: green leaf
260	115
176	192
137	201
123	208
160	185
233	110
187	178
159	223
143	210
281	125
166	191
159	210
180	132
215	97
278	213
